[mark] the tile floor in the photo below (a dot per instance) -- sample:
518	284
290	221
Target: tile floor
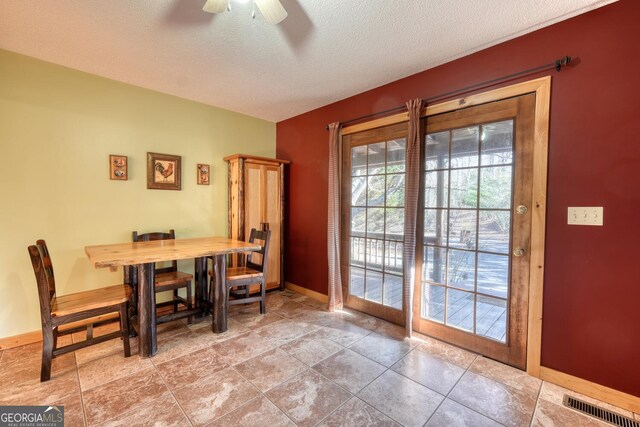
296	365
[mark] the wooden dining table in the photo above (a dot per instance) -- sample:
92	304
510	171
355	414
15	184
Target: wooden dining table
144	255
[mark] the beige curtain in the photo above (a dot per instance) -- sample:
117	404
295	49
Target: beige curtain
333	220
412	183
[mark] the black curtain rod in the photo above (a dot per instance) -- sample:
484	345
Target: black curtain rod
557	64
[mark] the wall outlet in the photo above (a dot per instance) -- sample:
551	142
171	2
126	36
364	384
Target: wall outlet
585	216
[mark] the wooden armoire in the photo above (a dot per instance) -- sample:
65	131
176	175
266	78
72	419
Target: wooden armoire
256	200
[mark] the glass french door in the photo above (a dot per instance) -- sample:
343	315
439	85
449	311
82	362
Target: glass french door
373	183
472	281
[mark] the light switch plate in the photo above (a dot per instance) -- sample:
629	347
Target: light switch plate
585	216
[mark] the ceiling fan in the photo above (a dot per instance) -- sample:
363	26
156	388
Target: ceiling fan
272	10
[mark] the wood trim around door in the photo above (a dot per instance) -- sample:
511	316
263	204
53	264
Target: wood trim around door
542	89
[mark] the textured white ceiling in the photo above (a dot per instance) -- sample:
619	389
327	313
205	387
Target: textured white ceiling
326	50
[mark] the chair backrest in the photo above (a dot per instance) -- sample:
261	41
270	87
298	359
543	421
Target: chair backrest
261	264
149	237
43	270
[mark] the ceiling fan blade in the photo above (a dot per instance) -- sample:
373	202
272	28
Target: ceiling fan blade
215	6
272	10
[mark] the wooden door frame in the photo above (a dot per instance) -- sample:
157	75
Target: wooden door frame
542	89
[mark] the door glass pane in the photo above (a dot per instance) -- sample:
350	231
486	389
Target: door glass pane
460	309
376	158
495	187
494	228
462	229
464	147
395	190
437	150
359	191
374	249
491	318
375	190
435	264
433	302
464	188
496	143
396	155
493	274
394	224
356	281
462	269
357	252
373	291
436	189
375	222
393	257
435	226
393	291
359	160
358	221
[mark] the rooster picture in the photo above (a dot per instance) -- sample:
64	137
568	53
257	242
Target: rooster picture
166	172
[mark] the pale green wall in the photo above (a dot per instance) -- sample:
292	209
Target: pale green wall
57	129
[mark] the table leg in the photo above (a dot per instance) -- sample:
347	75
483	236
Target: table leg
147	342
219	294
200	269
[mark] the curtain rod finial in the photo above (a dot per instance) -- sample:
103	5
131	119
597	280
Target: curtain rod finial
562	62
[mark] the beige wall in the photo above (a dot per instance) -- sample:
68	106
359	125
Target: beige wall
57	129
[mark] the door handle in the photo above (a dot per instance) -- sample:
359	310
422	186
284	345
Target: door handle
518	252
521	209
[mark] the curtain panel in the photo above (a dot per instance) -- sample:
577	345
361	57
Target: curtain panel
412	185
333	220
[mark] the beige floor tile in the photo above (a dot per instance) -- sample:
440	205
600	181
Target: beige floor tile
497	401
311	348
20	379
258	412
284	331
429	371
110	368
555	394
506	374
187	369
551	415
401	399
209	338
308	398
357	413
73	412
126	394
383	350
451	414
252	319
289	309
243	347
163	411
350	370
342	332
211	397
270	369
112	347
447	352
178	345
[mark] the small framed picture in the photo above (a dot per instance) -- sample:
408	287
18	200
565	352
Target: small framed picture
164	171
118	167
203	174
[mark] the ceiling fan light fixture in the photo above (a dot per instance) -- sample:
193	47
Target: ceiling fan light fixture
215	6
272	10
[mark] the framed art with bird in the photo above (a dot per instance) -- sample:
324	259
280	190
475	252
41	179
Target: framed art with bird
164	171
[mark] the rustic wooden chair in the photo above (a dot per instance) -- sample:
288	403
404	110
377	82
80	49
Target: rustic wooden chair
56	310
240	279
168	278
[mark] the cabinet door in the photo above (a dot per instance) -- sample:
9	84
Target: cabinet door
272	217
253	198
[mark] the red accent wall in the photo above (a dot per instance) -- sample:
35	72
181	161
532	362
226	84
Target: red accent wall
591	315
